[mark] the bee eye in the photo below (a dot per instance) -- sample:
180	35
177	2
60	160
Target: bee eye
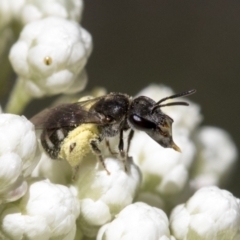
141	123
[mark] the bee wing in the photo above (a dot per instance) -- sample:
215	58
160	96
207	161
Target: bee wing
67	115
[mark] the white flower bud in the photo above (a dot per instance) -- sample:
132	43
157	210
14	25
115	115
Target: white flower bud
18	155
50	55
47	211
25	11
210	214
137	221
102	196
33	10
216	157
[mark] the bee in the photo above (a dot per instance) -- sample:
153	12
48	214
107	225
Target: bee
71	131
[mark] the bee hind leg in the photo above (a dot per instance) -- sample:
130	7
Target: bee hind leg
97	151
75	173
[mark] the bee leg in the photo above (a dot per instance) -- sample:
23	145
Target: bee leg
97	151
121	150
109	147
130	136
75	172
121	145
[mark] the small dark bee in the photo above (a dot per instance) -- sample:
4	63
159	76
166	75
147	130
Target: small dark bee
70	131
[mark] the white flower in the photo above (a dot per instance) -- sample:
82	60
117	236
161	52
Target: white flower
14	15
210	214
50	55
49	58
101	195
33	10
137	221
25	11
216	157
18	155
46	211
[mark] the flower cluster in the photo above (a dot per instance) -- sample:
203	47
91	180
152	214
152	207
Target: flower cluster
157	194
210	213
19	155
50	54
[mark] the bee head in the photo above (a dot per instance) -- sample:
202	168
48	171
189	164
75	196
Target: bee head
146	115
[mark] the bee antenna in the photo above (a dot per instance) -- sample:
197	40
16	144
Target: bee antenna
187	93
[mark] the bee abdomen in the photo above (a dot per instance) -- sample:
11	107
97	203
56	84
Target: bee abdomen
52	139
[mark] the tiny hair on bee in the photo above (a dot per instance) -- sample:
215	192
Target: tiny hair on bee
71	131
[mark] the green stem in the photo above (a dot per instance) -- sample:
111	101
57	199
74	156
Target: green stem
6	72
18	99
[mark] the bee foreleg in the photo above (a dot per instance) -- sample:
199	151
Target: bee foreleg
121	150
130	136
97	151
121	145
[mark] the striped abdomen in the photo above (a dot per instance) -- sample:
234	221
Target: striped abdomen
52	139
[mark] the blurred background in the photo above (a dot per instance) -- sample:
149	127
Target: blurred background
183	44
